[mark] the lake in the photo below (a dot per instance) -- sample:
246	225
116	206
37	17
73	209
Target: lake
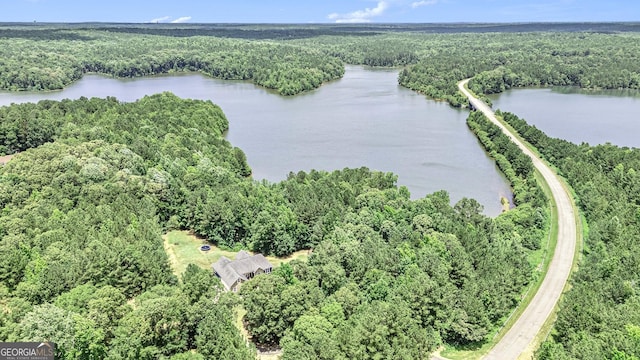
569	113
363	119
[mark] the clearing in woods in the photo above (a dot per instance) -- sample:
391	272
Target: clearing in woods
183	248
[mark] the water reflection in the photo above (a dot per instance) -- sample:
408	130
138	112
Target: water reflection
569	113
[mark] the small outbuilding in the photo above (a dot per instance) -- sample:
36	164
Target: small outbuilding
243	268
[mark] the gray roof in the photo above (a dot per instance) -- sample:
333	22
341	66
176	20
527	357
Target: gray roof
242	255
226	273
261	262
230	271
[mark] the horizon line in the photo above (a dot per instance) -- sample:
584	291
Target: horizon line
331	23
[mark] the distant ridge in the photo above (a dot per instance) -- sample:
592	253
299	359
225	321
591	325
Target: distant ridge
293	31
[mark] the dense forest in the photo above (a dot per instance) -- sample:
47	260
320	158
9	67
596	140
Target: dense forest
45	64
296	59
97	182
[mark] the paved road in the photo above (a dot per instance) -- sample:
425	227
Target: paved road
519	338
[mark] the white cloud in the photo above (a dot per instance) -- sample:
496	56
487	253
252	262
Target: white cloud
181	19
352	21
417	4
360	16
160	19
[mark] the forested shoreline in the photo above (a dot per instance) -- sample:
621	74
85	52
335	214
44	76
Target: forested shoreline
97	182
34	64
297	59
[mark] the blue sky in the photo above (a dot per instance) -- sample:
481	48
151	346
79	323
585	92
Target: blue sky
318	11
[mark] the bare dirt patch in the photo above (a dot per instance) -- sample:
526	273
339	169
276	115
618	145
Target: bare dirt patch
5	159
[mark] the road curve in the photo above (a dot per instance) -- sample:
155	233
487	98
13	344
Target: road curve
519	339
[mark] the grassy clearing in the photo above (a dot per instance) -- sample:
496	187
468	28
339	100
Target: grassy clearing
269	356
183	249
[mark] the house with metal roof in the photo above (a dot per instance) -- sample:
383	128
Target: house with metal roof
243	268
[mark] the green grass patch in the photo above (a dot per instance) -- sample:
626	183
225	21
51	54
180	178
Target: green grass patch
239	313
540	258
471	352
183	248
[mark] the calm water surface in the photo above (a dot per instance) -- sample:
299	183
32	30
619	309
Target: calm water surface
577	115
364	119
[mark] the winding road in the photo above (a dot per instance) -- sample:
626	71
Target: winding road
519	340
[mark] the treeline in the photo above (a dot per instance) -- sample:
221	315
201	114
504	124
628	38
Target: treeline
51	58
519	170
599	317
52	63
197	179
379	50
193	320
297	31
